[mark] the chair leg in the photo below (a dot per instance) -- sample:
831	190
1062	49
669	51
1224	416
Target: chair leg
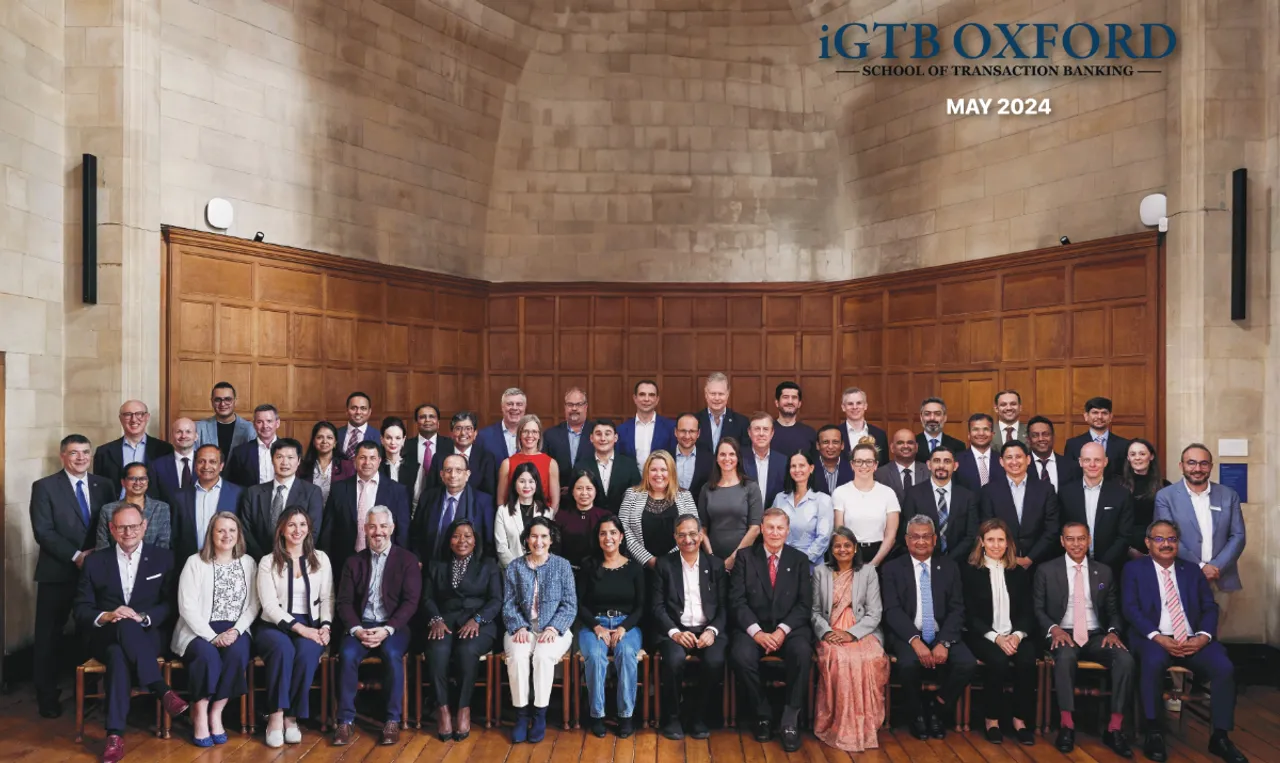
657	688
568	679
168	719
252	718
404	686
417	683
326	689
644	698
488	691
79	703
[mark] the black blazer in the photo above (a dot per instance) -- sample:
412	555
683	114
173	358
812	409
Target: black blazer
626	474
108	461
242	464
922	446
844	473
891	474
484	473
666	592
1113	522
100	589
411	447
1063	469
182	518
963	518
754	601
259	523
58	525
877	434
703	460
898	590
407	476
1117	451
978	607
478	595
967	474
732	424
472	504
340	526
1051	595
555	443
1037	533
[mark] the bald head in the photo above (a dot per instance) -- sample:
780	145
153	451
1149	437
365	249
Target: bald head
1093	461
903	447
182	435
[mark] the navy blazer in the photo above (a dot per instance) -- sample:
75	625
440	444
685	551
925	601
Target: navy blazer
260	525
100	589
664	436
1112	523
472	504
963	517
108	461
732	424
753	600
401	588
184	533
341	528
666	593
555	443
492	441
164	472
1117	451
371	434
58	525
1060	467
898	590
844	473
922	445
1141	591
774	479
877	434
1037	534
703	460
966	472
484	473
407	475
242	464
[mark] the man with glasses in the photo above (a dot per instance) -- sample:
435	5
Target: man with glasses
134	446
565	441
225	428
1173	620
137	481
483	473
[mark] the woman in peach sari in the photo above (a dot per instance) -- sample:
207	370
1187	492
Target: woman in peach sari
852	666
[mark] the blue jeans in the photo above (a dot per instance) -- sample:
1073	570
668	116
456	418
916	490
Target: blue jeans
596	655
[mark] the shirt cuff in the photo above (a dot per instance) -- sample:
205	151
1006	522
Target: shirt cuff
753	630
1202	564
671	633
1020	635
1152	635
353	630
785	628
713	630
390	631
1206	635
991	636
97	621
77	556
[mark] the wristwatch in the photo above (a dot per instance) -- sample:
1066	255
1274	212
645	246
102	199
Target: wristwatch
945	644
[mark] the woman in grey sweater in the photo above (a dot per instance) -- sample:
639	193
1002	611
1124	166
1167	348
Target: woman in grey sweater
729	506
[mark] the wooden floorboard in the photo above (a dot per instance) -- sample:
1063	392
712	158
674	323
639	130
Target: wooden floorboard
26	738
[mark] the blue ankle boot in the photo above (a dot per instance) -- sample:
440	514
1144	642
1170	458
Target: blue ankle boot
538	726
521	730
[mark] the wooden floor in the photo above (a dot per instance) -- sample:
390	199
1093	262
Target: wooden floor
24	736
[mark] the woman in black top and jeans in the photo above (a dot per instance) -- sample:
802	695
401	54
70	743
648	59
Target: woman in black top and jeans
611	592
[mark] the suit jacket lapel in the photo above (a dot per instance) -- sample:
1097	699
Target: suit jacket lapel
1095	590
69	497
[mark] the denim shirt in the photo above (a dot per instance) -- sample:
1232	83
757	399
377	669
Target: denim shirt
557	595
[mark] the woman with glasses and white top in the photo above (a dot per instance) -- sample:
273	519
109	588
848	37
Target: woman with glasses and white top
867	507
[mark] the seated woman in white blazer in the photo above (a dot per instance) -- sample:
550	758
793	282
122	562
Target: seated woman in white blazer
524	501
217	602
295	586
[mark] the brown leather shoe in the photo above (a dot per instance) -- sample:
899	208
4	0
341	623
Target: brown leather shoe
114	749
342	735
391	732
173	704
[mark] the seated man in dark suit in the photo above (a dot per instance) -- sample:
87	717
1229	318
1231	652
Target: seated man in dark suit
762	463
134	446
790	435
122	604
1097	414
250	462
771	597
612	475
1173	620
933	417
261	505
566	442
351	500
834	468
177	471
693	464
376	599
195	507
1103	505
954	509
718	420
979	464
903	471
484	472
1029	507
1078	612
439	508
687	597
646	431
66	508
927	636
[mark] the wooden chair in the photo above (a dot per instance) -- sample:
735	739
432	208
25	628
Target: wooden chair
642	687
962	710
323	687
93	667
375	685
564	684
1040	697
1188	694
485	681
656	674
731	687
172	665
1085	669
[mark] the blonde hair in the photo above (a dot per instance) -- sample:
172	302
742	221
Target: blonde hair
207	552
1010	558
673	484
525	419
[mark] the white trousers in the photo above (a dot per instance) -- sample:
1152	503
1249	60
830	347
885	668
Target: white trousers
539	658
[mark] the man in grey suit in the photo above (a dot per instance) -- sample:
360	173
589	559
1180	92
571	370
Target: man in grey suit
1211	521
903	471
1079	615
224	428
261	505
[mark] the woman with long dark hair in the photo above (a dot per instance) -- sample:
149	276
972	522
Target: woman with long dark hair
811	512
729	507
525	501
1141	475
323	463
578	523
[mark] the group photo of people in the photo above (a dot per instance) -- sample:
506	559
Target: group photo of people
712	568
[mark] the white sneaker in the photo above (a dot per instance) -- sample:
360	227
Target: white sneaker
275	739
292	734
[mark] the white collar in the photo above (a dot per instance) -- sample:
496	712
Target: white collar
128	558
217	485
1071	565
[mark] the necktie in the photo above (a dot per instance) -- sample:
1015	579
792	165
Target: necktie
928	628
186	472
1080	618
942	518
83	500
933	444
983	474
1044	470
450	508
773	569
362	511
1008	434
1176	616
426	455
277	503
352	442
906	478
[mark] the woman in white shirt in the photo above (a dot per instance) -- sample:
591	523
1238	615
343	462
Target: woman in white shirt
295	587
867	507
217	602
524	502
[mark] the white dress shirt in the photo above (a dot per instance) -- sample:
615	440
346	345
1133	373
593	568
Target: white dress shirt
1019	431
206	508
915	569
985	457
762	478
693	615
191	464
128	564
856	434
513	444
644	438
266	470
1091	495
1204	518
288	486
1052	465
1068	623
1165	626
393	469
606	470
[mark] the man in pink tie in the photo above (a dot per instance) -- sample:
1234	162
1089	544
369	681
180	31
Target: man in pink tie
1173	620
1079	614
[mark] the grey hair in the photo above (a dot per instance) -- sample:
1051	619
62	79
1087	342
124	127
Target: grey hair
922	519
514	392
1176	530
716	376
381	510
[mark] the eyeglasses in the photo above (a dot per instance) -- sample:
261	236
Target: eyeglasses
143	478
865	462
687	536
1198	464
141	415
128	529
575	406
1158	539
915	536
223	400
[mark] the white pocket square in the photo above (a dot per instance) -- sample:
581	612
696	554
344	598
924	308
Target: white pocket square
153	577
1214	508
1108	508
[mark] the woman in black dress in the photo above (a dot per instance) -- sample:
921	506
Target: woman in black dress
1143	479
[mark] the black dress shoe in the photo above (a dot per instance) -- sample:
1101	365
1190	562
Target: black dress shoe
1118	743
920	729
51	711
1066	741
626	727
596	727
1153	747
937	729
1221	746
1026	737
699	730
672	729
790	739
762	732
994	735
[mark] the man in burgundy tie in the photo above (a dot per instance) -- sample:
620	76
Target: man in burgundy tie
358	428
1078	611
1008	409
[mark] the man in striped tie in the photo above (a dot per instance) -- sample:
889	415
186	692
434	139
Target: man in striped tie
1173	620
